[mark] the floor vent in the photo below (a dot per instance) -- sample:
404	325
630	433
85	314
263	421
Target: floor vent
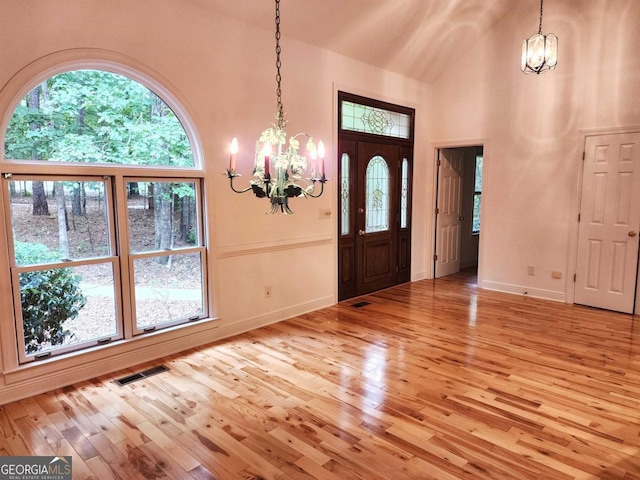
140	375
360	304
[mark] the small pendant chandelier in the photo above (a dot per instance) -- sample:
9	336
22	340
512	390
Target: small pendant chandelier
539	52
278	170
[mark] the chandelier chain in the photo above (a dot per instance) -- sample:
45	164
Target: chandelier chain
540	26
279	176
280	109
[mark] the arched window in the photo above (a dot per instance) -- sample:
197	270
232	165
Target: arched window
105	223
93	116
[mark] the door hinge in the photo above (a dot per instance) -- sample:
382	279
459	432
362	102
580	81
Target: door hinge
439	162
579	218
584	154
435	257
437	210
574	278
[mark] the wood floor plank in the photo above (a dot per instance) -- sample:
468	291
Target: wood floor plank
100	469
314	470
80	469
432	380
168	446
214	462
18	446
32	436
107	427
122	465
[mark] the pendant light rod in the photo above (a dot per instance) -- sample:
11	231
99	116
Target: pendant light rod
540	25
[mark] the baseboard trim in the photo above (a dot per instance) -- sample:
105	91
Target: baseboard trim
417	276
272	317
522	290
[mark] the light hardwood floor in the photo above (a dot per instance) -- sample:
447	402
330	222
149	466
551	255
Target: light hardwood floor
433	380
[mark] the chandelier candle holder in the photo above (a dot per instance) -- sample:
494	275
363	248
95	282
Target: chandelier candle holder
278	169
539	52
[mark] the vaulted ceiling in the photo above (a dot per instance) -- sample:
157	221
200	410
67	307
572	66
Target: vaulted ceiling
418	38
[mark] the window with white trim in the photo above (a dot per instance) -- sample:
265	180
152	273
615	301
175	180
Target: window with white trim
477	195
103	215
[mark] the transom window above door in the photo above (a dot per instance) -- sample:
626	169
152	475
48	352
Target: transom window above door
364	115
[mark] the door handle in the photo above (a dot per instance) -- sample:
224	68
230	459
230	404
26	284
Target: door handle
632	233
461	218
361	233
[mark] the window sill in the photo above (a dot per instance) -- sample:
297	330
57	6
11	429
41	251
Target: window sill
57	371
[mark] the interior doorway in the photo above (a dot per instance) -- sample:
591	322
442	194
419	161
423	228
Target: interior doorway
458	201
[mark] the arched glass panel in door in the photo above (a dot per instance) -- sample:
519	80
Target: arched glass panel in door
377	201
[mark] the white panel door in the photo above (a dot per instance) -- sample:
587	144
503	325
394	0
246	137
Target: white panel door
609	221
449	217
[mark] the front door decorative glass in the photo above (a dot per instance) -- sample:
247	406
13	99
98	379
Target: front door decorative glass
377	195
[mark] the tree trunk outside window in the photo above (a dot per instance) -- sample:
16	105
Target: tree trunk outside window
162	214
39	199
63	227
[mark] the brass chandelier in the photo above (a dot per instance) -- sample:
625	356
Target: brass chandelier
278	169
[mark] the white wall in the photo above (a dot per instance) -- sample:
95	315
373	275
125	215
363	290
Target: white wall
223	74
532	129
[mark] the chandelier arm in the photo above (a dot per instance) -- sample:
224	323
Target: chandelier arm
231	174
321	181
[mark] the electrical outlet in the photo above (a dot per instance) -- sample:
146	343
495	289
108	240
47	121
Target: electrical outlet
267	291
531	270
324	213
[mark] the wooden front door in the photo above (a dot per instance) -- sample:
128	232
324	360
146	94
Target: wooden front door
375	240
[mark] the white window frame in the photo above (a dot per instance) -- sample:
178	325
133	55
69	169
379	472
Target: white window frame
16	270
476	193
25	80
133	256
